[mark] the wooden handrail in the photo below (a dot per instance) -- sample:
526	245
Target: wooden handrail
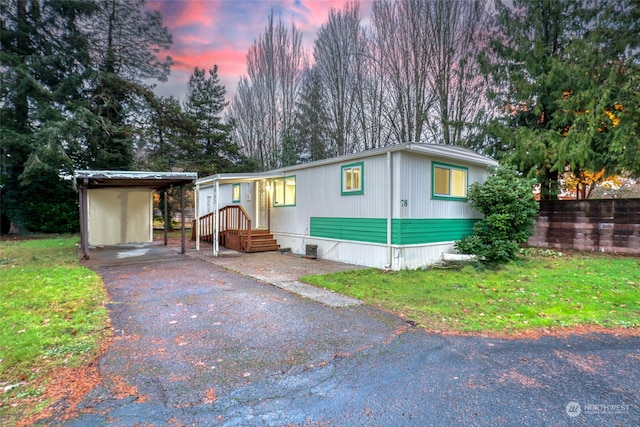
234	225
206	227
234	228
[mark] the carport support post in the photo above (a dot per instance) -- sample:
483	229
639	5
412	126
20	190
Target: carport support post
196	209
166	223
84	220
216	220
390	210
182	218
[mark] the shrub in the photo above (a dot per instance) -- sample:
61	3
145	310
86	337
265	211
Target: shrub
51	216
49	205
506	200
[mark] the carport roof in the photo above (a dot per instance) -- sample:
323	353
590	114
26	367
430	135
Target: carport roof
146	179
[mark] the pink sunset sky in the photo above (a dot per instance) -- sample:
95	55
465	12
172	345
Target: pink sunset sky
208	32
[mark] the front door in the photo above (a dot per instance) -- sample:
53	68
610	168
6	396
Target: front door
262	196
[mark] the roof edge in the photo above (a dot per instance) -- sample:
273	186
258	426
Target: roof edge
436	150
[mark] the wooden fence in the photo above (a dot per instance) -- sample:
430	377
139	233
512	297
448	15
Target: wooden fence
589	225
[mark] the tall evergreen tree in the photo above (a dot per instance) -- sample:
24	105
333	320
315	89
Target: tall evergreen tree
563	74
43	56
68	83
310	123
212	150
124	40
527	48
601	96
168	135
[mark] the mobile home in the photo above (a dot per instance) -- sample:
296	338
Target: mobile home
398	207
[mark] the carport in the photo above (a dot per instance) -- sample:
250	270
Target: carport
116	207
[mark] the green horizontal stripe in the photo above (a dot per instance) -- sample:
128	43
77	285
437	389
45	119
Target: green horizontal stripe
429	230
372	230
404	231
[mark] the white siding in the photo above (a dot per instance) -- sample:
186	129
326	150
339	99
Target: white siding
207	197
247	199
319	194
225	195
413	257
368	254
206	202
359	253
413	184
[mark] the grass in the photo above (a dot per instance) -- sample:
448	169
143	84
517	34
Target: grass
533	292
52	315
52	312
175	233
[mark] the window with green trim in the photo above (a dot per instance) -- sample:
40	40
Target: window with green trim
284	191
352	180
448	182
235	191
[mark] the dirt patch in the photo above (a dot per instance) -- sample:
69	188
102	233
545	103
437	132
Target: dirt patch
209	396
517	377
534	334
121	389
16	237
587	363
65	388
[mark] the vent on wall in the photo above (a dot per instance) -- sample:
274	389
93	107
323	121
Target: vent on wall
311	251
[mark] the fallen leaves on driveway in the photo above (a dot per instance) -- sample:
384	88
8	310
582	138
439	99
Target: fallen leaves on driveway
66	389
209	396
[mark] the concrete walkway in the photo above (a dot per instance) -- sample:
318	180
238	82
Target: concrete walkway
283	271
278	269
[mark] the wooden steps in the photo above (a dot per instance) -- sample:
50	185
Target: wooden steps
235	232
263	241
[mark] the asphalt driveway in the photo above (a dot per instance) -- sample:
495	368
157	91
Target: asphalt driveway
197	344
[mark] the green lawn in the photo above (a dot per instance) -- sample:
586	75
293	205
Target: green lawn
534	292
52	315
52	310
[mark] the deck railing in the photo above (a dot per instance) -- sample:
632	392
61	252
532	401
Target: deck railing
234	225
234	228
206	227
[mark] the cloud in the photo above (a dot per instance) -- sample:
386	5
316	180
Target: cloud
228	60
208	32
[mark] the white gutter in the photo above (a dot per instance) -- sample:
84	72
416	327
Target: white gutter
390	207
